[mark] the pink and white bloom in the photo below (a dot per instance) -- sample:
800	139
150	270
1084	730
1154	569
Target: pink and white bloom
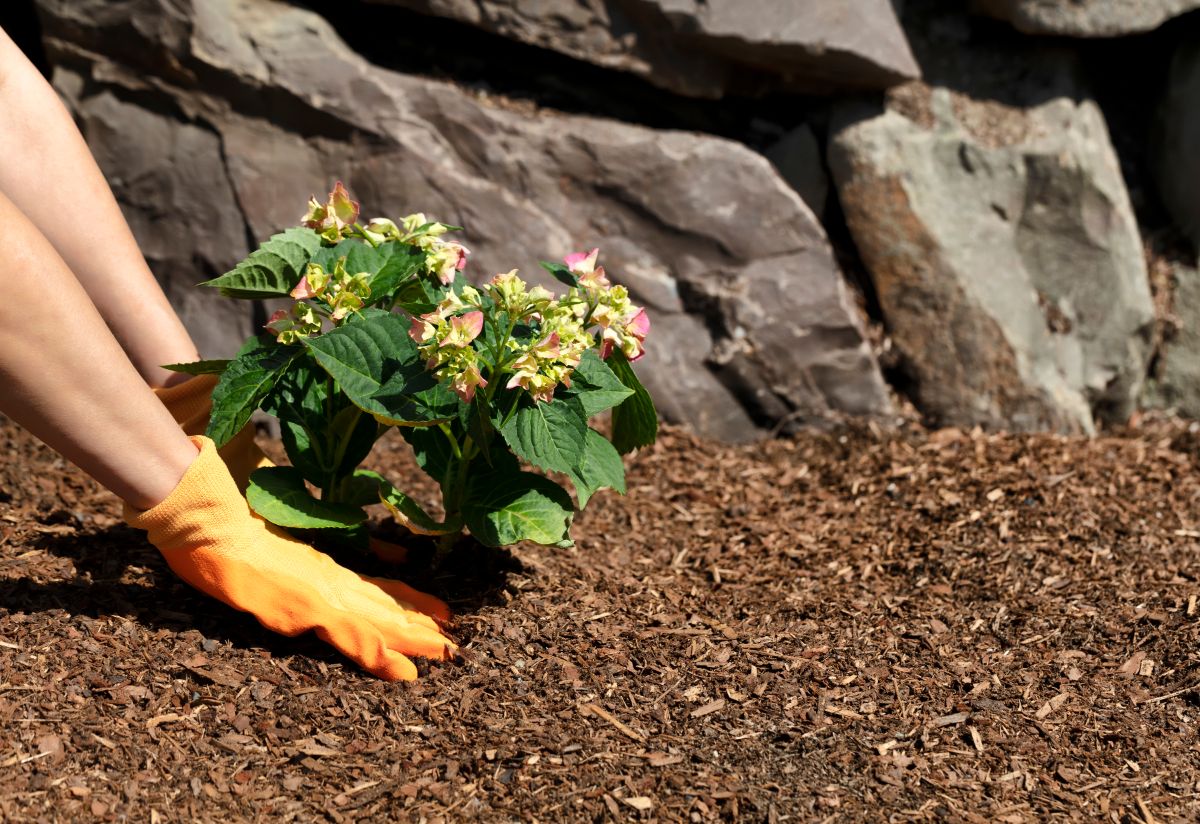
424	327
463	330
281	321
583	265
449	259
332	217
466	382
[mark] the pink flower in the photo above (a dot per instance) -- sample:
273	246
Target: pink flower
463	330
450	259
342	206
639	325
466	382
333	216
279	322
582	262
303	290
548	347
423	328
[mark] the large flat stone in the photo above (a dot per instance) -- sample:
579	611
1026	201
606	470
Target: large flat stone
753	323
708	47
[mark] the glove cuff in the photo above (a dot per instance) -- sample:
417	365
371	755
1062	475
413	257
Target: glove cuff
190	402
205	498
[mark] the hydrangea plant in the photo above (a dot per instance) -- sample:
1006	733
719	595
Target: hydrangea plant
492	384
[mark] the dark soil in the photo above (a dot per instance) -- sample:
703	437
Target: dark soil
854	627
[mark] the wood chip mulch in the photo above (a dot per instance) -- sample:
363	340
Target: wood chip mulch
859	626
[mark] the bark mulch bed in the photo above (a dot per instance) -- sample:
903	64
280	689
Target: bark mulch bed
861	626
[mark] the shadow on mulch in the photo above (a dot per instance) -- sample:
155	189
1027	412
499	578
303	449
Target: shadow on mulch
119	574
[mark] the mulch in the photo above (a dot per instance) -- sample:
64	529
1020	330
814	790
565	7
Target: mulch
853	626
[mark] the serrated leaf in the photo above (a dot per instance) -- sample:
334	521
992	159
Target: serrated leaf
247	380
635	420
403	263
595	385
599	468
504	507
365	356
200	367
271	270
279	495
561	273
413	397
548	435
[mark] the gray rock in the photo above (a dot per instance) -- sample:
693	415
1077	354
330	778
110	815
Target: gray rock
1176	384
752	321
706	48
1086	18
1005	255
1175	155
173	189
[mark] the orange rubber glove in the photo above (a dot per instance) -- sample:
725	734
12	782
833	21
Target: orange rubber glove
213	541
190	404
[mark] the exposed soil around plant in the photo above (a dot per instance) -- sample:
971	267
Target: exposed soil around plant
850	627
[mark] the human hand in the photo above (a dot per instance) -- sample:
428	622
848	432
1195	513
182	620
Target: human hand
211	539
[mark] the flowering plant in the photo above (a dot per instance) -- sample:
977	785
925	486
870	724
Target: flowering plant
386	331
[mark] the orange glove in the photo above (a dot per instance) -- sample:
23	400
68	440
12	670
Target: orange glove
190	404
212	540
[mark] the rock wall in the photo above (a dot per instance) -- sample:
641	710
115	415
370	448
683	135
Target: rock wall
982	231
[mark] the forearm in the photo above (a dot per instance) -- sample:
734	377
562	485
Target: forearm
47	171
64	377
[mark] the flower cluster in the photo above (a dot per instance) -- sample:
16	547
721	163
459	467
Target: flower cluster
446	257
290	325
560	343
334	219
444	337
341	291
622	325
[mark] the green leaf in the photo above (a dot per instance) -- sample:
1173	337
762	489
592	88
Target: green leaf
271	270
504	506
413	397
595	385
432	450
561	273
403	263
635	421
279	495
368	355
245	383
200	367
363	488
409	514
419	296
600	468
548	435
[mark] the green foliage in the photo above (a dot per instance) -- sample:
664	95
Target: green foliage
596	387
200	367
503	506
279	495
600	467
376	364
248	379
481	380
548	435
634	421
273	269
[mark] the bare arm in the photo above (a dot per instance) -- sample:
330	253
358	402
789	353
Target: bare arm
47	171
